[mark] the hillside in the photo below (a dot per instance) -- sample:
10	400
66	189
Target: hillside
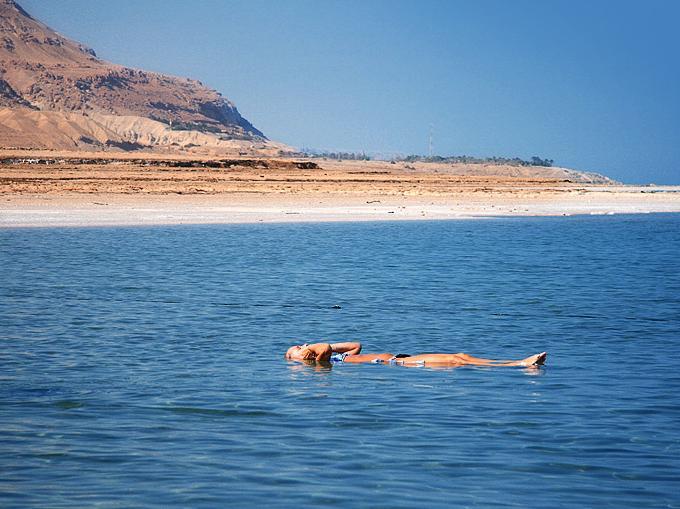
43	71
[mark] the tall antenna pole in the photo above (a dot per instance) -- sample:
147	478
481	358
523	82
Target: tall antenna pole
429	147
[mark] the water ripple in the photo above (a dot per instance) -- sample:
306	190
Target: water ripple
143	367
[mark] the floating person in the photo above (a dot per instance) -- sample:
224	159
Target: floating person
350	352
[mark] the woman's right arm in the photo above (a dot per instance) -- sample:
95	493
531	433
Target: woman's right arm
317	352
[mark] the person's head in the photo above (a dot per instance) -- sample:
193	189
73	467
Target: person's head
294	351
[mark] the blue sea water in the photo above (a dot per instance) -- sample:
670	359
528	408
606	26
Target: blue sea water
143	367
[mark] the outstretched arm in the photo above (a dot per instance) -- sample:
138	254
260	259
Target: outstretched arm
349	347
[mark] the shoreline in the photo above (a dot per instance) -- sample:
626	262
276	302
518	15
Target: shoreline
147	190
102	210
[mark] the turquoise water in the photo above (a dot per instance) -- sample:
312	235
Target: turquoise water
142	367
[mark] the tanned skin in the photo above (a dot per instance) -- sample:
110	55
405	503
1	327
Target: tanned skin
321	352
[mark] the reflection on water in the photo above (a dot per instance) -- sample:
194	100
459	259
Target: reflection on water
302	367
144	367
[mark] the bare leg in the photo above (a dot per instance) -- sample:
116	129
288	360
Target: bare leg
463	359
469	359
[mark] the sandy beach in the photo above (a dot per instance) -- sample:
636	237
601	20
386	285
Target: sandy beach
127	192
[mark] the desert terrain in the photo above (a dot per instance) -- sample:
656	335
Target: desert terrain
86	189
88	142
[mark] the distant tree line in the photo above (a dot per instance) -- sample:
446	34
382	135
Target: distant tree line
514	161
362	156
350	156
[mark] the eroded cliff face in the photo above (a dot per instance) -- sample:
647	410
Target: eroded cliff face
10	99
42	70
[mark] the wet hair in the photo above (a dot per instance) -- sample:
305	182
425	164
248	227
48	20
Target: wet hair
402	355
287	354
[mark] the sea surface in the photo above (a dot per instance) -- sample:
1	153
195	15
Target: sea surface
143	367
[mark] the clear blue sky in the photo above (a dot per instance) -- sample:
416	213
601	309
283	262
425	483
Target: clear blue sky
594	85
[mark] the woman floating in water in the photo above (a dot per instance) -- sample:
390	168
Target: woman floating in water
351	353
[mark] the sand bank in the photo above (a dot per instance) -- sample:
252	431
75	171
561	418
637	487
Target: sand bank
122	193
113	210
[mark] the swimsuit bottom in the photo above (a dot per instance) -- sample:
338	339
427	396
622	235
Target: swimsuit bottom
337	358
397	359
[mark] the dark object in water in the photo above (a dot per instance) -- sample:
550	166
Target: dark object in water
336	306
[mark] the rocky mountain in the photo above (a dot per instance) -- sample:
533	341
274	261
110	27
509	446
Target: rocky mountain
48	80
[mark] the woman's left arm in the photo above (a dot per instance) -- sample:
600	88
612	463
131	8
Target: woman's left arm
349	347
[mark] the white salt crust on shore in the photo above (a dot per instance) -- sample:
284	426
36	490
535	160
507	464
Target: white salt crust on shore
78	210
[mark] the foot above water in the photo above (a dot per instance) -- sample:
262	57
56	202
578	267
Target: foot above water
535	360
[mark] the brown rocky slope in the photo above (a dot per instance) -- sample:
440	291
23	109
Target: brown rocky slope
48	80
